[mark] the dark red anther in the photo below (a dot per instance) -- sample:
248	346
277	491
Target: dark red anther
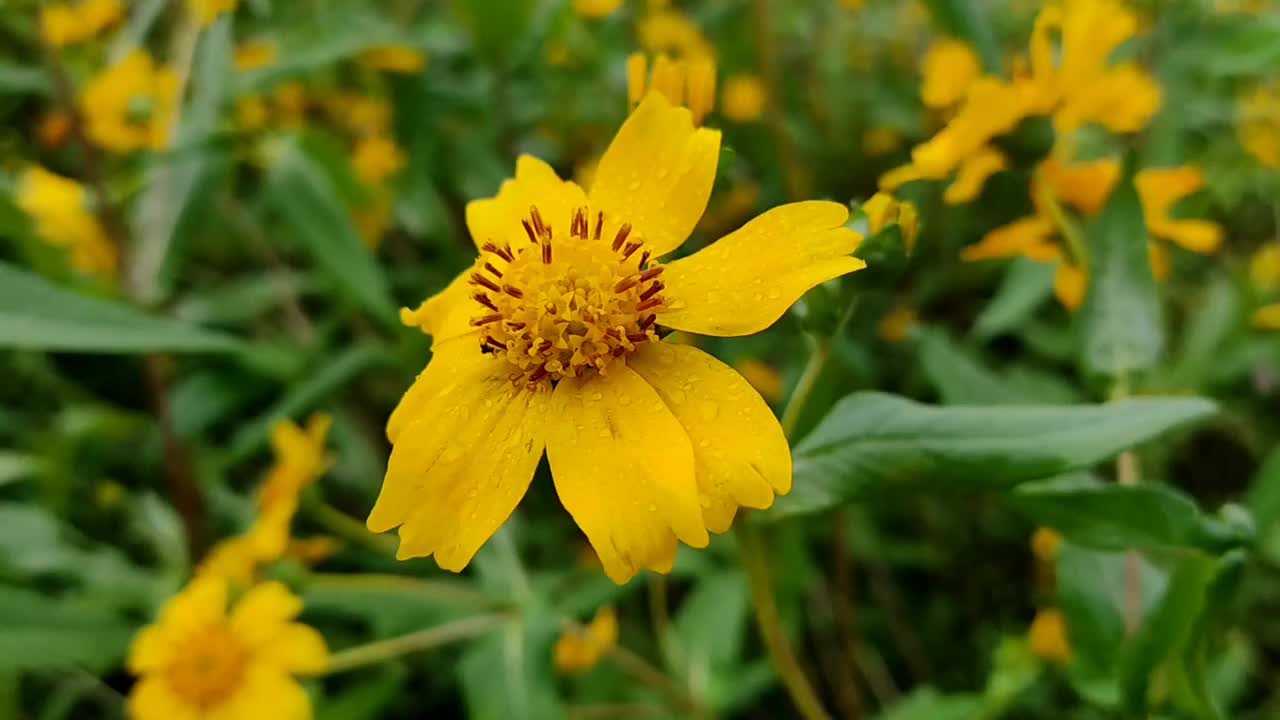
648	320
546	251
479	279
485	301
599	224
536	216
644	259
492	269
626	283
637	338
489	340
515	325
492	247
653	289
651	273
513	291
486	319
652	302
631	249
621	237
539	374
528	230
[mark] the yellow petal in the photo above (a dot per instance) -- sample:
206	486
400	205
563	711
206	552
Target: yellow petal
264	687
447	314
151	649
949	68
624	470
449	360
497	219
637	77
745	281
153	699
1267	317
741	457
1084	186
657	173
973	175
461	464
263	611
1010	240
296	648
1158	255
1198	236
1069	285
203	602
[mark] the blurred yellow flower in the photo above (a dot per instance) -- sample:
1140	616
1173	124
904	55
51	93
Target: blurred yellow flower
401	59
880	141
596	9
550	341
376	158
883	210
1258	128
1267	317
671	32
208	11
1047	636
130	105
203	660
290	102
896	326
69	24
237	559
254	54
1264	268
1044	545
360	114
252	113
300	459
580	649
373	217
744	97
949	67
691	83
1161	189
61	210
762	376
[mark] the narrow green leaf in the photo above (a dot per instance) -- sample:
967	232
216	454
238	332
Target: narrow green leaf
968	21
1026	285
877	443
24	80
38	632
507	674
36	315
1120	320
960	378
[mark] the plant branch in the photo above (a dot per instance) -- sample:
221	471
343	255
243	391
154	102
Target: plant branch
384	650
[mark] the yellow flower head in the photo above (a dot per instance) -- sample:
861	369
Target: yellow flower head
691	83
360	114
208	11
69	24
376	158
579	649
401	59
1264	268
672	33
252	113
551	340
1267	317
130	105
1259	126
254	54
596	9
237	559
896	326
883	210
300	459
1044	545
60	209
1084	186
744	98
762	376
1047	636
202	660
1162	188
290	102
950	67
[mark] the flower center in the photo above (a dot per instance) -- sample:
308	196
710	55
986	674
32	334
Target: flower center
559	305
209	668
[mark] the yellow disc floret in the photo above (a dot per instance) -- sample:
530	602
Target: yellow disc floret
211	667
561	304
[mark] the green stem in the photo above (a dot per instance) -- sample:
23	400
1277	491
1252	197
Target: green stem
344	526
1067	228
383	650
784	659
818	356
1129	473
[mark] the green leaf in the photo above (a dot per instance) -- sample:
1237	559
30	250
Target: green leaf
367	699
36	315
929	704
877	443
1249	45
24	80
961	379
1189	673
711	625
968	21
38	632
507	674
1116	517
497	29
1120	320
341	32
1026	285
1264	494
306	197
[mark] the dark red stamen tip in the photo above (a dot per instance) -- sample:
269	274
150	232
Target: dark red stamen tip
479	279
630	249
546	252
528	230
485	320
489	340
621	237
654	289
513	291
652	302
648	320
485	301
651	273
599	224
492	269
626	283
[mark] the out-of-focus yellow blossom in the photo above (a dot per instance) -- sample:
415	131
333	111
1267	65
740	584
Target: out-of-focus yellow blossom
1044	545
1264	268
762	376
208	11
376	158
237	559
203	660
558	54
880	141
360	114
312	551
69	24
596	9
1161	189
598	391
300	459
254	54
401	59
580	649
744	98
1267	317
252	113
672	33
130	105
373	217
1244	7
53	129
1258	128
896	326
1047	636
60	208
289	100
853	5
949	68
883	210
691	83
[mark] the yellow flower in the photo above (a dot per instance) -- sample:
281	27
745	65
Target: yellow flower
950	67
254	54
252	113
300	459
1259	127
130	105
62	24
671	32
290	101
1044	545
744	98
596	9
360	114
208	11
373	217
60	208
551	340
237	559
376	158
880	141
401	59
1267	317
579	649
1264	268
1047	636
883	210
202	660
691	83
762	376
1161	189
896	326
